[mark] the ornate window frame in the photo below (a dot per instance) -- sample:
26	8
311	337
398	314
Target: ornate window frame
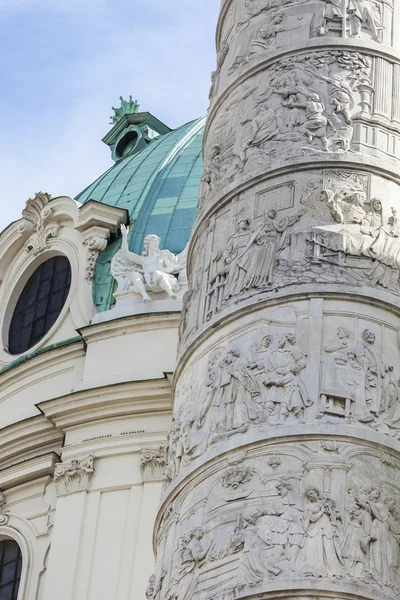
54	227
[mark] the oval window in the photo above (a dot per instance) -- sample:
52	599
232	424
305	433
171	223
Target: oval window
40	304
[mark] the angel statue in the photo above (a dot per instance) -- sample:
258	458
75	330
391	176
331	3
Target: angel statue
155	270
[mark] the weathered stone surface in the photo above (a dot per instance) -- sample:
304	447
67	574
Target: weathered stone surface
282	476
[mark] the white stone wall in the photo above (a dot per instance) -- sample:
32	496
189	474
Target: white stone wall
83	421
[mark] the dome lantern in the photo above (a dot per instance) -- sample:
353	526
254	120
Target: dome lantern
132	130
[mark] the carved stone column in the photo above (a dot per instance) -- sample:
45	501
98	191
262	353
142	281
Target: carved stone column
284	453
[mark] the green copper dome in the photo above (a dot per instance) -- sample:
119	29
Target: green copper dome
159	187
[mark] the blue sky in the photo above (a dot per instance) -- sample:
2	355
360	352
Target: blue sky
64	63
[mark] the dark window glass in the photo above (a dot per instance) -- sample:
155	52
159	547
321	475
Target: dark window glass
10	569
39	305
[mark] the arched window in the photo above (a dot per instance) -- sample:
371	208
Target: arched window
10	569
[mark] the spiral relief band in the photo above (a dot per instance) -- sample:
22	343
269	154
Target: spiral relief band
282	468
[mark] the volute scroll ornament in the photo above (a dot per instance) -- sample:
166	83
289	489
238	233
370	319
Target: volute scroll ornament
74	476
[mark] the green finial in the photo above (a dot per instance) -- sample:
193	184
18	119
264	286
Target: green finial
128	107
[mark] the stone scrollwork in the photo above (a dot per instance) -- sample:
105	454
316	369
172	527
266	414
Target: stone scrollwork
94	245
3	515
153	271
38	213
74	476
152	463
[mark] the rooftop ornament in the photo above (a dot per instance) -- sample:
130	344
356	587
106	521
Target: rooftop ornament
128	107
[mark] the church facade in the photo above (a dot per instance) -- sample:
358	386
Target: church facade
260	293
85	377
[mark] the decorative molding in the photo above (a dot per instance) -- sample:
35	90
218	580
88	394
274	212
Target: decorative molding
152	463
94	244
38	213
74	476
3	515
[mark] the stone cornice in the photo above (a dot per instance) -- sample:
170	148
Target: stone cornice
117	400
26	471
24	440
132	324
56	359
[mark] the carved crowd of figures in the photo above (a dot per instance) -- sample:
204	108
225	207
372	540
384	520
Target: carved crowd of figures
248	261
309	102
263	384
240	392
358	376
293	533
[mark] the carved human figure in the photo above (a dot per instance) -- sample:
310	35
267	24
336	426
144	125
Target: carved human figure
286	532
379	537
316	122
346	207
343	375
253	565
260	366
264	38
287	392
363	13
213	386
239	399
394	550
192	556
373	369
151	271
232	254
321	554
174	451
341	93
391	418
258	259
353	554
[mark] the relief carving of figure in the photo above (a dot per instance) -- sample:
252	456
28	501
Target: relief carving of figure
321	555
239	398
263	40
287	392
343	377
258	259
235	247
192	556
353	543
375	238
155	270
284	527
373	369
254	566
363	13
379	539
